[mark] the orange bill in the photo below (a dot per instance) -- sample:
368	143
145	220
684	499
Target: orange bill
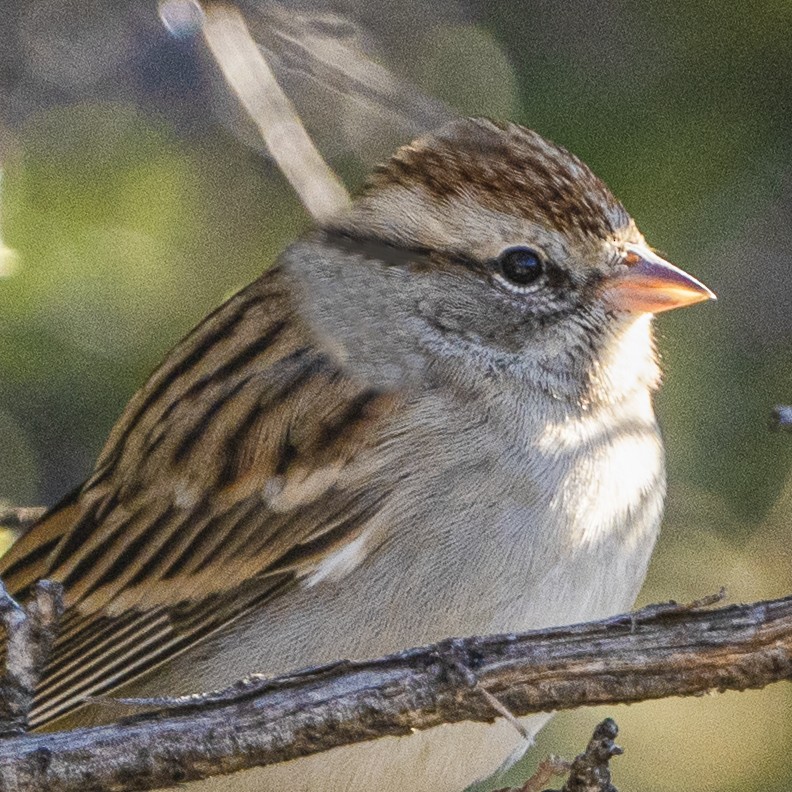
650	284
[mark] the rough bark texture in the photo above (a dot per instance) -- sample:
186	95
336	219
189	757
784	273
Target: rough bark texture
590	771
664	650
30	633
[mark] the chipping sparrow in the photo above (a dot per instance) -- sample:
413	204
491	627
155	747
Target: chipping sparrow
431	419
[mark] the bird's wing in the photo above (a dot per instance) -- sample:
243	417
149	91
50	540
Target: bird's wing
237	468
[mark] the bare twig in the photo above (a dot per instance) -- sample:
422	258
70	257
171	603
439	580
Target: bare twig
327	48
669	652
633	618
29	637
250	77
782	417
591	770
547	768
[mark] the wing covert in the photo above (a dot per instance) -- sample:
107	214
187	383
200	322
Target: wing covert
236	469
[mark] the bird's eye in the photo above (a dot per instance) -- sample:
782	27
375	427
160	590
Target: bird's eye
519	267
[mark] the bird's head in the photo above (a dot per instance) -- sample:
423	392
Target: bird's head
491	244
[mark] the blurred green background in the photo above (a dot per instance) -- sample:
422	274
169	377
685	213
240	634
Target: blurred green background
135	199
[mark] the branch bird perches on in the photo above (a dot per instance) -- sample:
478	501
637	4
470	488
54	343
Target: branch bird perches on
660	651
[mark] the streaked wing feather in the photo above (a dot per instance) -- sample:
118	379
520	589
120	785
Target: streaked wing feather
105	652
226	478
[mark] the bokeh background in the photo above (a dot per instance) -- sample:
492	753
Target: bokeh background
136	197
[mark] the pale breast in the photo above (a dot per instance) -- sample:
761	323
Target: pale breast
558	533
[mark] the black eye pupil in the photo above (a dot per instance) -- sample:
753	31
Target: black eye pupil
520	265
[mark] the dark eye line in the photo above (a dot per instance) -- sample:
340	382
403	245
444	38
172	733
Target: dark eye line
557	277
391	254
412	256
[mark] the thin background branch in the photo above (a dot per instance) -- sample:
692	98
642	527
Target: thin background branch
250	77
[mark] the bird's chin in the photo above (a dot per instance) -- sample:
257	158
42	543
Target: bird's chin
627	359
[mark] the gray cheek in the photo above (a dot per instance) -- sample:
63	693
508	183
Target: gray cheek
477	315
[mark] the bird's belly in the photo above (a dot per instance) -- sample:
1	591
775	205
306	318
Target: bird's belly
474	567
517	564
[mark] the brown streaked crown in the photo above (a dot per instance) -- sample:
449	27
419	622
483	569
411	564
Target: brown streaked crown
506	168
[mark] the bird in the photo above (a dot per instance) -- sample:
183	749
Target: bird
431	417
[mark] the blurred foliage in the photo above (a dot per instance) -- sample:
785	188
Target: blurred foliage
131	208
